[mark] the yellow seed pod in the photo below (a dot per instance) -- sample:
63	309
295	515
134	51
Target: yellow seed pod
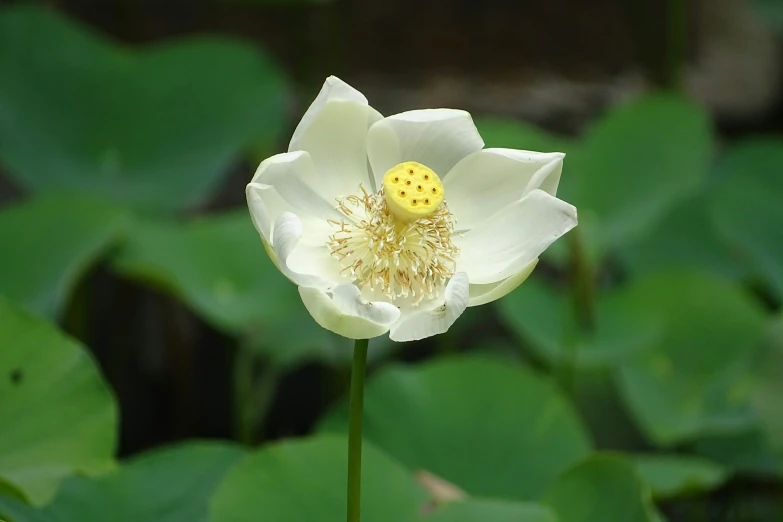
413	191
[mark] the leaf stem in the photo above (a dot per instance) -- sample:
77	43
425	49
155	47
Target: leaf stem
255	385
355	430
583	284
583	297
244	371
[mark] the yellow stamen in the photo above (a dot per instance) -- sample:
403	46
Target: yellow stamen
413	191
410	258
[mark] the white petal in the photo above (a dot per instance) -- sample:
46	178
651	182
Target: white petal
436	319
334	132
333	89
483	294
505	243
303	264
490	179
346	313
288	173
278	187
265	205
437	138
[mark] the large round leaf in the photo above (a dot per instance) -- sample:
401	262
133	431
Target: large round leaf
676	475
14	510
696	379
171	485
768	393
638	161
57	414
758	450
480	510
685	237
490	428
747	204
217	265
543	318
48	243
600	489
305	480
155	128
749	452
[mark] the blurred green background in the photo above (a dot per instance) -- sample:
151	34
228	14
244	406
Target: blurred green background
155	366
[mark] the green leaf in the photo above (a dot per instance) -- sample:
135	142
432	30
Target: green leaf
747	206
9	490
544	318
513	134
676	475
749	452
685	237
768	393
48	245
482	510
599	489
597	398
58	416
217	265
14	510
305	480
759	450
696	380
155	128
170	485
488	427
636	163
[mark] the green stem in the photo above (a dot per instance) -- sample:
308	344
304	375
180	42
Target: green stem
264	390
583	284
355	430
255	385
244	370
583	292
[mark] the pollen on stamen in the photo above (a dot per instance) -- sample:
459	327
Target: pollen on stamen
399	259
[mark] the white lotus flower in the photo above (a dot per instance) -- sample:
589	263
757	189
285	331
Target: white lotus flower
398	224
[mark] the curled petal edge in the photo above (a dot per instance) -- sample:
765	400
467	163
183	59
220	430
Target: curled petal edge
436	319
345	313
486	293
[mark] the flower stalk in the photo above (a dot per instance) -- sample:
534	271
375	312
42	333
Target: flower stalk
355	430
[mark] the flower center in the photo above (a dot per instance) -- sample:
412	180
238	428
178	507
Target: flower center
412	190
398	241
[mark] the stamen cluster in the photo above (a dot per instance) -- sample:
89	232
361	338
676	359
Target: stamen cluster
384	253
